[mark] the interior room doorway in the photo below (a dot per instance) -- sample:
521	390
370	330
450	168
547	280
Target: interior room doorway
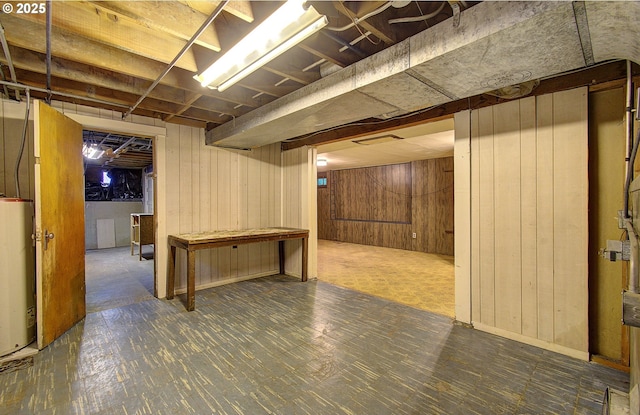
119	207
385	215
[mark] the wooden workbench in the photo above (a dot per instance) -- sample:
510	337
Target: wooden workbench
192	242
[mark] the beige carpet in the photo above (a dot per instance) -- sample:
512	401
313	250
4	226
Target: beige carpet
416	279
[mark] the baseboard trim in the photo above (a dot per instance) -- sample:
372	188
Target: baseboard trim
543	344
226	281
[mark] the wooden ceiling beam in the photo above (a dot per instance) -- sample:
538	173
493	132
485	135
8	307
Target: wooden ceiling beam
200	114
207	102
186	106
79	101
170	17
73	71
329	51
30	61
25	35
269	89
376	24
86	20
31	36
285	69
94	92
143	112
239	8
149	107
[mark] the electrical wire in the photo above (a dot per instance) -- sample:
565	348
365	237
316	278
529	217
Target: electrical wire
422	17
355	24
24	139
627	183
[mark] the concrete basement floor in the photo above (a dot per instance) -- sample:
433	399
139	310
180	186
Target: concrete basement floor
275	345
116	278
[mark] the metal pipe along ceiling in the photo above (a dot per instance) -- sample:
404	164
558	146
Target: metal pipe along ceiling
186	47
7	54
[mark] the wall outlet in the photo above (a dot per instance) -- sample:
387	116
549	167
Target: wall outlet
414	236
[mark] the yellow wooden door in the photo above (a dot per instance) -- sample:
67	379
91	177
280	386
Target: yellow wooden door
59	225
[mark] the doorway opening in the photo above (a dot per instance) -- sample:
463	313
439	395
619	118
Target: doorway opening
385	215
119	207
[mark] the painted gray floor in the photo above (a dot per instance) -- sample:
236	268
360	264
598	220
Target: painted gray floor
115	278
276	345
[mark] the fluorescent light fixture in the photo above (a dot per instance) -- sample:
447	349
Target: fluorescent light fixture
321	162
91	152
377	140
285	28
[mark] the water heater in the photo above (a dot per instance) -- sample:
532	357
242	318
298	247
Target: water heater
17	275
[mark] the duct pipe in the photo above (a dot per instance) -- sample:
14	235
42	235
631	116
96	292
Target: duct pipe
186	47
21	151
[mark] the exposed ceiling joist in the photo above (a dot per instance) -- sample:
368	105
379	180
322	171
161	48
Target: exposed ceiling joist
112	50
377	24
329	51
172	18
33	63
285	69
239	8
85	20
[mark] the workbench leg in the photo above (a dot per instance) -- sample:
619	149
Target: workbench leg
171	278
281	255
191	280
305	253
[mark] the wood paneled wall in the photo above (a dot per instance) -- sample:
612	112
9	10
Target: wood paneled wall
201	188
385	205
299	206
209	188
528	220
432	210
606	183
11	126
353	192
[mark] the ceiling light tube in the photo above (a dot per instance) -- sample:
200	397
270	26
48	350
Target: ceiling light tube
91	152
286	27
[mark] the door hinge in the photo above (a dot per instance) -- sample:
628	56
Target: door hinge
37	236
